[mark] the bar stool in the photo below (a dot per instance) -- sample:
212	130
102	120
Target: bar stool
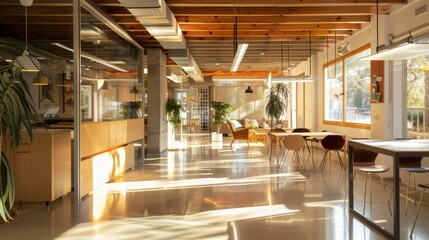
364	161
425	187
412	165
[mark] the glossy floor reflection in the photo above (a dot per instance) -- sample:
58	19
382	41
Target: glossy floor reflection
212	191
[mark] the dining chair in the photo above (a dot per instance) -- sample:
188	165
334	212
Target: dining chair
425	187
314	140
305	138
292	143
332	143
364	161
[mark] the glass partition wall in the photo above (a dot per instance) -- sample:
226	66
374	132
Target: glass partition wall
109	71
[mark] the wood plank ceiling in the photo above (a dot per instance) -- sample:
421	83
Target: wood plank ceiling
208	25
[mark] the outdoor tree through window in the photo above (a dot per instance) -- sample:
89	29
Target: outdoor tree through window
347	89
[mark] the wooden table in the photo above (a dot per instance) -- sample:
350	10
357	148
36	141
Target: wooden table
396	149
280	135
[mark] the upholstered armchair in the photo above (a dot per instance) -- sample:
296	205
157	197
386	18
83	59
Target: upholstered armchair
238	133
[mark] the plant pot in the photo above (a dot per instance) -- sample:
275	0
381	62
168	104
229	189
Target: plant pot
216	137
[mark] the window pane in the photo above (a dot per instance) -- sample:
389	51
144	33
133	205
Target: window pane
358	87
333	93
417	97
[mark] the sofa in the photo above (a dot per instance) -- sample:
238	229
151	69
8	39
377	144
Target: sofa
246	123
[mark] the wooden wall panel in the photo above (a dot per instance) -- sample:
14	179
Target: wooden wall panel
102	136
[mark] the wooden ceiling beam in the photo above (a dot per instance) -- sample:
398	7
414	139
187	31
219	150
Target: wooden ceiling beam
280	11
342	33
274	3
270	27
272	38
273	19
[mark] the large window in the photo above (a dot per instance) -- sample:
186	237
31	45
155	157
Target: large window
418	97
347	89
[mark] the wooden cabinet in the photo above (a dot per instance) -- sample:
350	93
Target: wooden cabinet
42	168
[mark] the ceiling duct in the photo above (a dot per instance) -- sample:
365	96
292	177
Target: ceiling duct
160	22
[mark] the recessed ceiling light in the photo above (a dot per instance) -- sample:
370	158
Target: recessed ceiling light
217	64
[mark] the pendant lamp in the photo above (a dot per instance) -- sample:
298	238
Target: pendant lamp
248	90
26	62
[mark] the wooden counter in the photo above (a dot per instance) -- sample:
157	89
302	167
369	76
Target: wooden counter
42	168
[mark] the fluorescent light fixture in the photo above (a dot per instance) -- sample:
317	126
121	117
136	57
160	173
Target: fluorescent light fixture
27	62
401	51
91	57
111	79
241	50
237	79
117	62
304	78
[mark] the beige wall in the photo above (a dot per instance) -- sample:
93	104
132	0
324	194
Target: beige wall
246	105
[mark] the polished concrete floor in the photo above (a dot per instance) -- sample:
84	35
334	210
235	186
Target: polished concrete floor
211	191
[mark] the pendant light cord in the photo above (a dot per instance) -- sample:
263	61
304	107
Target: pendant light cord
26	41
288	59
310	54
281	57
335	55
376	15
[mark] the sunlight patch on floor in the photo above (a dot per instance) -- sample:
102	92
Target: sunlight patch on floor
212	225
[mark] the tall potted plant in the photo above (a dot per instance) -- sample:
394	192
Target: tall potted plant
174	108
16	109
276	102
221	112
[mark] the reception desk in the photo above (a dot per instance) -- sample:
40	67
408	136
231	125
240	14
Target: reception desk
42	168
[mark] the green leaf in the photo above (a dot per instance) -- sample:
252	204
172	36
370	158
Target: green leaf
16	109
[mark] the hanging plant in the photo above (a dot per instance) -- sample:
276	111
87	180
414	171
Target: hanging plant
174	108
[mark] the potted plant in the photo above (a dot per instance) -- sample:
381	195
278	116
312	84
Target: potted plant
221	112
16	109
130	109
174	108
276	102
